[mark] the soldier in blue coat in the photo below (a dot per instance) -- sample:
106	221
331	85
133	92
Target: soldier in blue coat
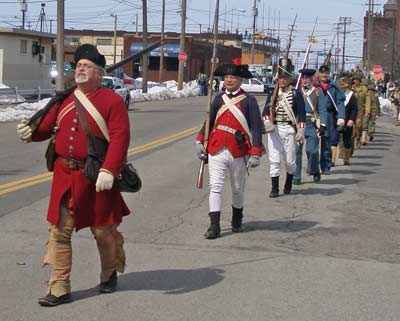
316	120
335	116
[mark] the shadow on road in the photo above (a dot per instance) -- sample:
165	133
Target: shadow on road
286	226
353	171
168	281
366	156
355	163
318	191
340	181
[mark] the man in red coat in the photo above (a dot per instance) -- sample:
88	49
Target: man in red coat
234	143
75	201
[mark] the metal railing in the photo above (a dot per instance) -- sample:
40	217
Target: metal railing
14	93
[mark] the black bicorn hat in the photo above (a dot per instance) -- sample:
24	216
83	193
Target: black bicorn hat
307	72
89	52
324	68
234	69
285	68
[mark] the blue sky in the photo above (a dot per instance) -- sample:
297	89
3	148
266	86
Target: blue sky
277	15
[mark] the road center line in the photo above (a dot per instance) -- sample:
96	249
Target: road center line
45	177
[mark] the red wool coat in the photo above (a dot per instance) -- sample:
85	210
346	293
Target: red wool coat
91	208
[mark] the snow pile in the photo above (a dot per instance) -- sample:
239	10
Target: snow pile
167	90
386	106
21	111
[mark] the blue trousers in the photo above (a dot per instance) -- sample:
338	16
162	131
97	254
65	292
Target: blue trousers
326	143
312	151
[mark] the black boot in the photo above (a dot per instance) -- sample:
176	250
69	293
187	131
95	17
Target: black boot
237	216
51	300
275	187
214	230
110	285
288	184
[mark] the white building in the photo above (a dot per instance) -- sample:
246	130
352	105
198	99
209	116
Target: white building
25	58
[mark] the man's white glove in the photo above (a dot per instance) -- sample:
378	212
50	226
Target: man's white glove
300	135
24	131
201	151
340	124
253	161
104	181
269	126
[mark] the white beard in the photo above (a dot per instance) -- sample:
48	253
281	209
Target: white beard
80	79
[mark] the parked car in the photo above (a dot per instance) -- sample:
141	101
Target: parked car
118	87
251	85
54	72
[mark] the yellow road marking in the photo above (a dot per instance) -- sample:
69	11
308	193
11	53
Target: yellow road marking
45	177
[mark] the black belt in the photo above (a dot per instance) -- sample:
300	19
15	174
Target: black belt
283	123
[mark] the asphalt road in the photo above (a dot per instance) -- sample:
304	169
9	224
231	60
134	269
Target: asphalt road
328	252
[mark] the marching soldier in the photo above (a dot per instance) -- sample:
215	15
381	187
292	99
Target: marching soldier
75	201
360	92
284	122
394	97
347	131
234	144
316	118
335	117
372	110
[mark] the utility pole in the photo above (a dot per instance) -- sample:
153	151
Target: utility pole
345	21
255	13
369	38
162	44
115	36
182	45
24	8
137	18
60	45
145	55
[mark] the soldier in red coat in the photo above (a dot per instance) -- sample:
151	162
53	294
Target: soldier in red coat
234	144
75	201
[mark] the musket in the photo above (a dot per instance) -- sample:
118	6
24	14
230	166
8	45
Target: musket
312	40
210	95
35	121
276	89
329	54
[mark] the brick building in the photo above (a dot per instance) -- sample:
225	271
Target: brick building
385	39
199	54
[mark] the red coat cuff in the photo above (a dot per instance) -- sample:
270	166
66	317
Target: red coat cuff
200	138
255	151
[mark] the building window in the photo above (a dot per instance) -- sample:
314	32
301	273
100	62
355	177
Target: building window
71	41
23	46
103	42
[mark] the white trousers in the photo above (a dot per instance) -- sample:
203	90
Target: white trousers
282	147
218	166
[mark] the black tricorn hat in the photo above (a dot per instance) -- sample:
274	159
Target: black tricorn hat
324	68
235	69
307	72
89	52
285	68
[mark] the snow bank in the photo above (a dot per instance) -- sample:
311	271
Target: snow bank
164	91
169	90
21	111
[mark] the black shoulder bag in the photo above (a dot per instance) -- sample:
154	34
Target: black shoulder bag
128	180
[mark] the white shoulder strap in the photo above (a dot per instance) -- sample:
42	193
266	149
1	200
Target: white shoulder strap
93	112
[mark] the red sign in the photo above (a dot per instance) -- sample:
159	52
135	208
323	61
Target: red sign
377	69
182	56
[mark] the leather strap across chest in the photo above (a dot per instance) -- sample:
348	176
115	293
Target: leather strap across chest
230	104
